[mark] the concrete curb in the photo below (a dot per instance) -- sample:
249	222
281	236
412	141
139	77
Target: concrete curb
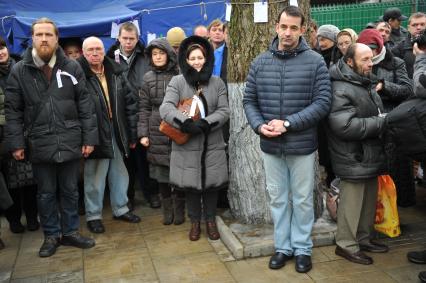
229	239
322	235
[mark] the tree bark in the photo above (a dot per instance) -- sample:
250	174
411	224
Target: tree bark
247	189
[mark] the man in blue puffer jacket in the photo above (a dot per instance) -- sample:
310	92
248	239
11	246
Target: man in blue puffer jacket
287	93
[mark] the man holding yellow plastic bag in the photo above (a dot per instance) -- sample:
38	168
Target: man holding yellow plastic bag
357	154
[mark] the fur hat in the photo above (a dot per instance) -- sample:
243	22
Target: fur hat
328	31
175	36
191	75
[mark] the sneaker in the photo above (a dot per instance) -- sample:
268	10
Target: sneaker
48	248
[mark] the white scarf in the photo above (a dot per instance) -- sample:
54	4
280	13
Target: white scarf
379	57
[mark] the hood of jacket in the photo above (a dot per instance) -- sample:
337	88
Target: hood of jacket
342	72
109	65
192	76
139	48
301	47
163	44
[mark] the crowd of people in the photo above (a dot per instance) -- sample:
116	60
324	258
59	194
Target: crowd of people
87	119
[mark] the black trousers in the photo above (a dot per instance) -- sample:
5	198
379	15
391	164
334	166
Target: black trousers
401	171
323	152
137	166
62	179
24	198
195	202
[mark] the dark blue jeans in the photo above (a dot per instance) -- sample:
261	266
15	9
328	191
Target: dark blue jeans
62	178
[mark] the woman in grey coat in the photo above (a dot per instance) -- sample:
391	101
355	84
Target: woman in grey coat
198	167
164	66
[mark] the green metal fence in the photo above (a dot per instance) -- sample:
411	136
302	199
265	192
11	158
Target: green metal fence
421	6
356	16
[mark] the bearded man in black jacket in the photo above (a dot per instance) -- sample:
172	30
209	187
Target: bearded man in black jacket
50	118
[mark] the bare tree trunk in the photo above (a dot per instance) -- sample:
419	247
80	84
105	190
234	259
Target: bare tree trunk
247	190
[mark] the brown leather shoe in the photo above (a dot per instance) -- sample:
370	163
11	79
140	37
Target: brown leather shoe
357	257
194	234
212	231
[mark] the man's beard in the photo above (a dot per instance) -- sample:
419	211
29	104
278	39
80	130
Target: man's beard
359	71
46	54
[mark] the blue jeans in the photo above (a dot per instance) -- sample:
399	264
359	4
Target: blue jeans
64	177
290	184
96	172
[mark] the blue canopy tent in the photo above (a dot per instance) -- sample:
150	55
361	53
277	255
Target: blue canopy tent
83	18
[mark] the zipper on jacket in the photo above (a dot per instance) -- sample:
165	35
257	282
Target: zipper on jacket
374	102
36	85
116	114
56	130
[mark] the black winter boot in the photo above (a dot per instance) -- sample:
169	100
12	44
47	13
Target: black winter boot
167	204
179	210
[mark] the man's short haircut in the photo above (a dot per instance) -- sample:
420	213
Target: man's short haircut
350	53
85	42
45	20
416	15
129	27
385	23
294	12
2	43
214	23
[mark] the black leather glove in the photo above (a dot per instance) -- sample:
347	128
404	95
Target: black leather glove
189	127
203	125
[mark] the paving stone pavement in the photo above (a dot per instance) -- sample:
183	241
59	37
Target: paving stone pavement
152	252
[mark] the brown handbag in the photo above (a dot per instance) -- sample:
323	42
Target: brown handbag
176	134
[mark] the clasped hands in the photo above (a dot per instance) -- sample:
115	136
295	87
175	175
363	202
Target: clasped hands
273	129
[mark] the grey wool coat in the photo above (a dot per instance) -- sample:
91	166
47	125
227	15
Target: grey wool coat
200	164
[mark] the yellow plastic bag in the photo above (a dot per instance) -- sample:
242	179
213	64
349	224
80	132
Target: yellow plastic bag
387	219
